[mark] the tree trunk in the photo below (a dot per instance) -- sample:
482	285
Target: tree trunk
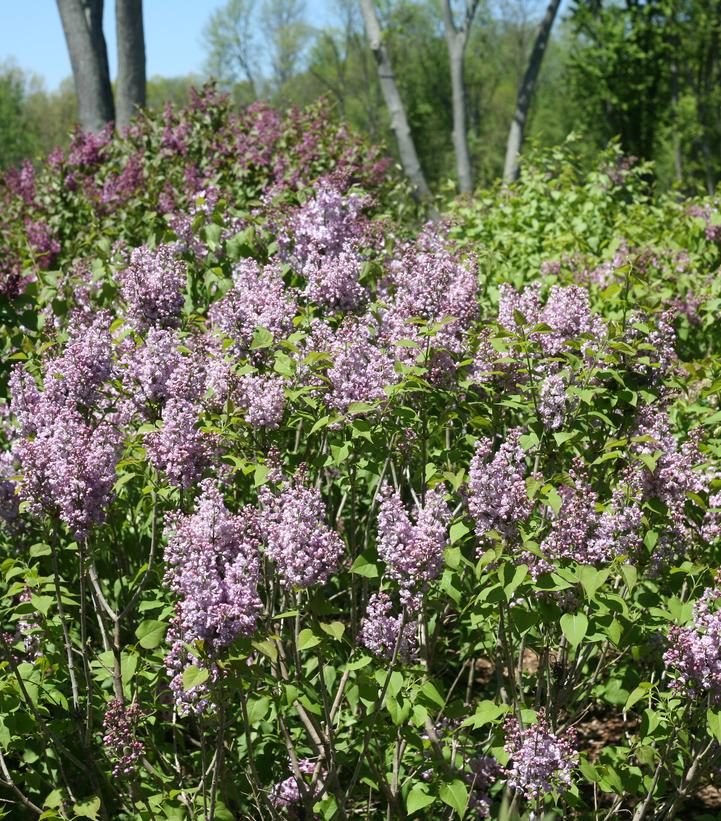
399	121
457	40
130	86
525	93
83	27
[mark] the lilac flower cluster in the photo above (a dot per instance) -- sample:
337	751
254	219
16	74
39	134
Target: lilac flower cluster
152	287
151	366
380	631
179	448
361	368
694	650
436	285
264	400
303	548
542	761
675	475
258	299
413	553
552	401
67	456
213	566
567	313
286	795
120	726
497	495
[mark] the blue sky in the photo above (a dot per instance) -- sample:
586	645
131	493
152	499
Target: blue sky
31	35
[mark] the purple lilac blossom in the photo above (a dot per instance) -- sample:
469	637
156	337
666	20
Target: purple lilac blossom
542	761
120	726
286	795
179	449
414	553
694	650
213	566
380	631
263	397
152	287
497	496
258	299
552	401
303	548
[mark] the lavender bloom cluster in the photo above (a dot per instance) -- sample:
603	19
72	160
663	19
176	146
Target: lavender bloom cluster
694	650
120	726
286	795
304	550
413	552
497	495
213	566
381	631
152	287
542	761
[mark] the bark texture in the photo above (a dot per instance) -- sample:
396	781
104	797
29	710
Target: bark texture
457	41
82	22
399	121
130	86
525	93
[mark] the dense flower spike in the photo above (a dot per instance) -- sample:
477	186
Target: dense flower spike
264	400
258	299
286	795
542	761
303	548
179	449
414	553
120	726
497	495
381	632
213	566
152	287
694	650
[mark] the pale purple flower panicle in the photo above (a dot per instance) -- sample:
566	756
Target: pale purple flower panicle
120	726
152	287
68	469
9	500
694	651
303	548
414	553
264	399
258	299
434	284
380	631
179	448
333	280
552	401
150	367
286	795
542	761
711	527
619	525
213	567
361	368
572	526
497	495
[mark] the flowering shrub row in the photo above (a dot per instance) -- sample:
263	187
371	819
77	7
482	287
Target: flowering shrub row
308	515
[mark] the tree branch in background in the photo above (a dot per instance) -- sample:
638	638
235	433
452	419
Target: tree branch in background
82	22
399	122
130	87
457	41
525	93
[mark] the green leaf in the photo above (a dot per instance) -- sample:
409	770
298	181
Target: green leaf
640	692
335	629
418	798
42	603
194	676
87	809
151	633
258	709
262	338
307	639
363	567
455	795
713	724
574	627
458	531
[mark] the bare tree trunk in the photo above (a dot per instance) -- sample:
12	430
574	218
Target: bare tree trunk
457	40
130	86
525	93
83	27
399	122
